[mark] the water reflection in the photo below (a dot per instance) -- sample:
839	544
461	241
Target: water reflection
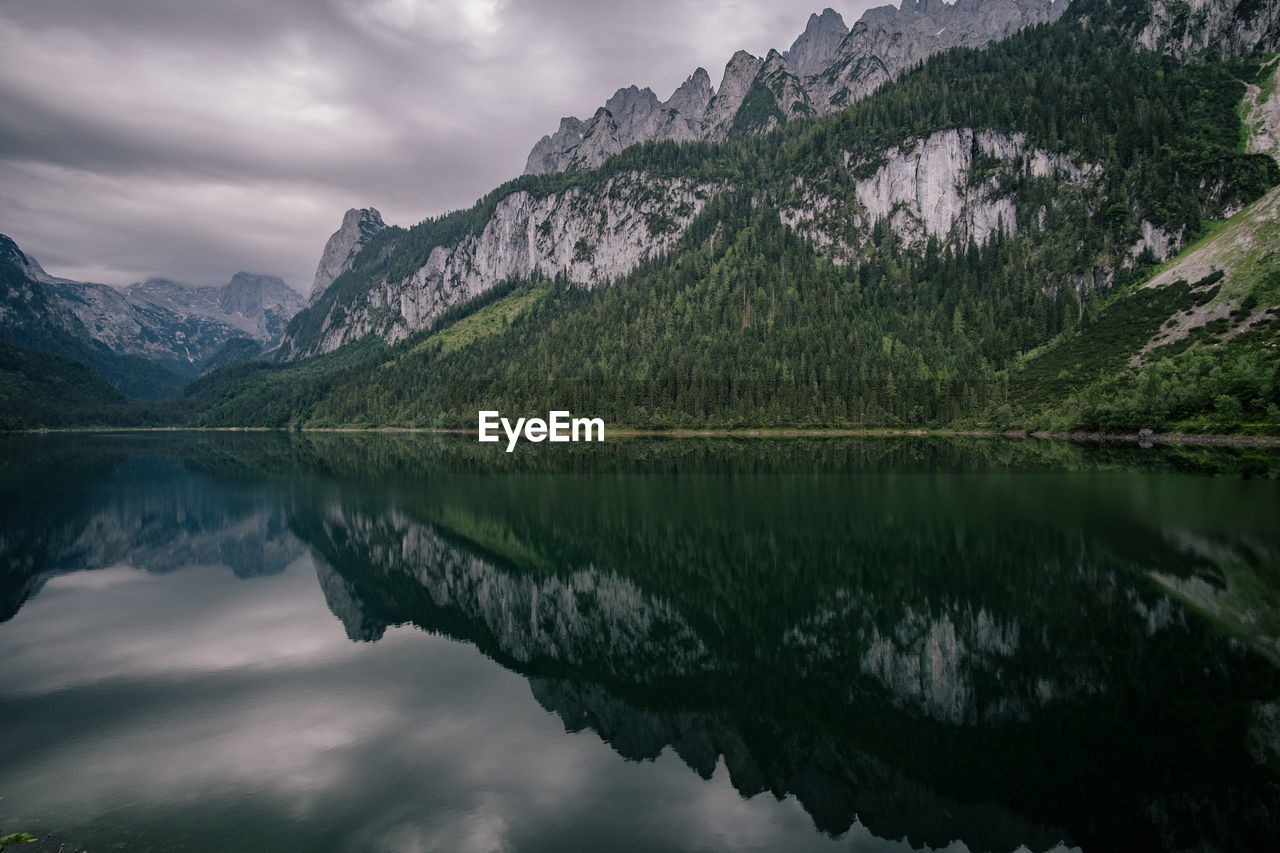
146	512
1000	644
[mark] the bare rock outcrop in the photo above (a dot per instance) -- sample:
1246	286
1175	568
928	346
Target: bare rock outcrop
359	225
828	67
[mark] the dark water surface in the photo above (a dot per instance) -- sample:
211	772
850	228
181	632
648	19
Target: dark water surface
273	642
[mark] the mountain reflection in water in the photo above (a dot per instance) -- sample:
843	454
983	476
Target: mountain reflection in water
1002	643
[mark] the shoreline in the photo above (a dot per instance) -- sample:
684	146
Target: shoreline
1177	439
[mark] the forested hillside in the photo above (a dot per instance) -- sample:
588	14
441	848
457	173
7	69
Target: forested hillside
43	390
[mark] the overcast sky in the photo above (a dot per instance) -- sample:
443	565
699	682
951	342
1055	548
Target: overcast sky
191	139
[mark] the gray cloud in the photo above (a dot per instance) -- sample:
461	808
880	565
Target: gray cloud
191	140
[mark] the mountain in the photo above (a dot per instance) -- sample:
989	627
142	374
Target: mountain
815	49
182	518
148	339
970	244
1183	29
358	228
34	317
257	306
589	235
931	174
827	68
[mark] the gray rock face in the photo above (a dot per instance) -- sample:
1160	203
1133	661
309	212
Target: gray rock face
738	77
258	305
358	228
690	102
631	116
788	93
1183	28
263	302
816	47
887	41
178	326
30	266
29	311
589	238
924	188
827	68
546	154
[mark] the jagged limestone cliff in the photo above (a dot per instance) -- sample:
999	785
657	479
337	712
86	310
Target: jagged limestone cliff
588	237
828	67
631	116
1183	28
586	617
836	785
358	227
928	187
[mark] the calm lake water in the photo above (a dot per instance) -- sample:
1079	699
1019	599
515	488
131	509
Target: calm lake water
273	642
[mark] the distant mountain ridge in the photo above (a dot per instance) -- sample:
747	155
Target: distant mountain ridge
146	339
258	305
828	67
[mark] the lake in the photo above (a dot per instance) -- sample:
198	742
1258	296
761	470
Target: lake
225	641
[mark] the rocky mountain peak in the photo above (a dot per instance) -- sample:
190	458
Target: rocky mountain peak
249	295
546	154
632	115
257	305
693	95
828	67
631	104
738	76
9	250
365	218
30	267
359	225
166	331
156	290
814	49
